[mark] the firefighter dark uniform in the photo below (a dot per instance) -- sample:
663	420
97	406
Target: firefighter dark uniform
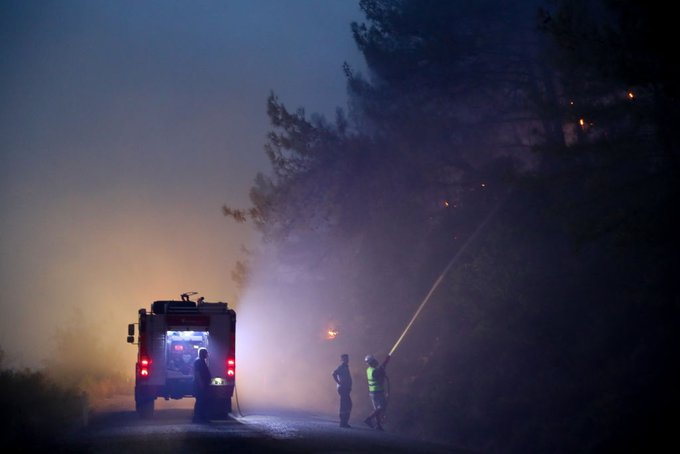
201	386
343	379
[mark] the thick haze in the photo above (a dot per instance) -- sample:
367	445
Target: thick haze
124	126
522	154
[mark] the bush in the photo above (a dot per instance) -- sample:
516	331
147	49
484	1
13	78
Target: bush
38	411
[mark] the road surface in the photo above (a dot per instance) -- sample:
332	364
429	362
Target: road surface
121	431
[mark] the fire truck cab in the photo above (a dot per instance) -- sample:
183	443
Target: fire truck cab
168	339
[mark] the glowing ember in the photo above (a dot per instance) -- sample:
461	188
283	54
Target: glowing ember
445	203
332	333
631	95
582	122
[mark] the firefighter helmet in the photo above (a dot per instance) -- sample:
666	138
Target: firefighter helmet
370	359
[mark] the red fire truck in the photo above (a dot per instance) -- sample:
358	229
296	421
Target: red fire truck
168	339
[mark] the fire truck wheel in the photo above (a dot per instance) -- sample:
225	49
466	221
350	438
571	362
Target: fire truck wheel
145	408
220	408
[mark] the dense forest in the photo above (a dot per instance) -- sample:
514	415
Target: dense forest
533	142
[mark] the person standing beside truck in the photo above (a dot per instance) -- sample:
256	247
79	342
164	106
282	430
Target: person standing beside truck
343	379
201	386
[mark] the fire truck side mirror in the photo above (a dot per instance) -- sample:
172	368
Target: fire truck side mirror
131	339
131	329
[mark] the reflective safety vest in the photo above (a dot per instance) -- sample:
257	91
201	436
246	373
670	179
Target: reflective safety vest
373	385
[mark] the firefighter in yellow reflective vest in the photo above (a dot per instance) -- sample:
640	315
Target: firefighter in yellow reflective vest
378	389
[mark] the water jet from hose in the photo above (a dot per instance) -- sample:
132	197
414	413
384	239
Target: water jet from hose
446	269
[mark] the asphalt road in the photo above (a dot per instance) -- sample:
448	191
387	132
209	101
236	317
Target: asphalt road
171	431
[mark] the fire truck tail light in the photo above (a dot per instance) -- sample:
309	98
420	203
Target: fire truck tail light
144	364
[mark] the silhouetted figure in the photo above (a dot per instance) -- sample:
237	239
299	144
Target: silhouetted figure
377	378
201	386
343	378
